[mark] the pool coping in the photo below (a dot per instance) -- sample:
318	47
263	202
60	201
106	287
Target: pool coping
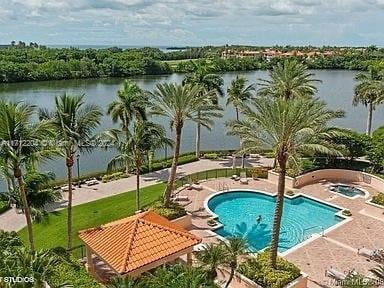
311	238
366	193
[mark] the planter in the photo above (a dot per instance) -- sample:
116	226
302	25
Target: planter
184	221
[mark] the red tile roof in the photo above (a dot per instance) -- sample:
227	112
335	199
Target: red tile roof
130	243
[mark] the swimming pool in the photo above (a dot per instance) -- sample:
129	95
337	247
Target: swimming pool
347	190
237	211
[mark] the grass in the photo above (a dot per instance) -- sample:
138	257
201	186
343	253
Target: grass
53	232
174	63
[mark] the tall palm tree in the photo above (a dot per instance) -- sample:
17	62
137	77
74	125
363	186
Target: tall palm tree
22	145
181	103
290	128
211	85
289	79
130	104
238	93
142	139
74	123
233	249
369	92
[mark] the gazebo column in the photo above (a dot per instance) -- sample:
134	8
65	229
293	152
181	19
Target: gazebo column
189	259
90	264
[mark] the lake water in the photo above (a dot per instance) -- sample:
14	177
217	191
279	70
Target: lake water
336	90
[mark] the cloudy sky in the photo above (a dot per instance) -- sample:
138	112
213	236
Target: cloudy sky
193	22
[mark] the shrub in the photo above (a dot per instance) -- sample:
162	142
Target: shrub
111	177
258	270
174	211
347	212
3	206
378	199
71	272
259	172
212	156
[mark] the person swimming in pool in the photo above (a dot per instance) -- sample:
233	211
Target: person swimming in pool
258	219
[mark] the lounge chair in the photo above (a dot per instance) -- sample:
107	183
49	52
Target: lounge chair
332	272
92	182
197	187
243	178
235	177
199	247
180	198
376	254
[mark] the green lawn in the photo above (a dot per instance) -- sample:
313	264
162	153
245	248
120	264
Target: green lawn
53	232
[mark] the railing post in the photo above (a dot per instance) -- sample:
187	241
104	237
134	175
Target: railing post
216	173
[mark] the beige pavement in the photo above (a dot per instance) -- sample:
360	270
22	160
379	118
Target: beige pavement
11	221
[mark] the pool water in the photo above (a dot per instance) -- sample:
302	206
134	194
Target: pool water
302	217
347	190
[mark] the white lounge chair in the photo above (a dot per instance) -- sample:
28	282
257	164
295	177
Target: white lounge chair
332	272
199	247
363	251
180	198
92	182
197	187
243	178
235	177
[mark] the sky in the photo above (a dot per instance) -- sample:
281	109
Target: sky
193	22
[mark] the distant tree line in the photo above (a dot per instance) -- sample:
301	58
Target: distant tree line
22	62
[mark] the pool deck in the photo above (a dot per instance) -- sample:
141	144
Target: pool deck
338	248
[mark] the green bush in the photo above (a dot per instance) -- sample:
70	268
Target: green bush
258	270
111	177
212	156
378	199
71	272
259	172
3	206
174	211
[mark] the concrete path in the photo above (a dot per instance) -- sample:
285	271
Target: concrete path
11	221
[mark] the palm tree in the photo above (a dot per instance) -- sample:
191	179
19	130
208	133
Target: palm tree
22	145
211	85
233	249
74	123
130	104
181	103
238	93
290	128
289	79
378	272
369	92
145	136
212	256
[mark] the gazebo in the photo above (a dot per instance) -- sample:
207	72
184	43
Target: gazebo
133	245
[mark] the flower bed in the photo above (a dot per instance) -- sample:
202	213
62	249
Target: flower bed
258	270
378	199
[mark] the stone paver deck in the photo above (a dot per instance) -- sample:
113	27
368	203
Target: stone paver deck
337	249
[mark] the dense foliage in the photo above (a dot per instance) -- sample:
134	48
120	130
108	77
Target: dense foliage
378	199
22	63
258	269
174	211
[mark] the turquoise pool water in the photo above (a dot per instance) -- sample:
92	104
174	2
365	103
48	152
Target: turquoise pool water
302	217
347	190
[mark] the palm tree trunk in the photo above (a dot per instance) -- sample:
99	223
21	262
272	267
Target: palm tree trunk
137	188
27	211
69	163
278	210
369	120
198	135
230	277
172	175
237	113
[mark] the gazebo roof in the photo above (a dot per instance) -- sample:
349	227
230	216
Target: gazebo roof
130	243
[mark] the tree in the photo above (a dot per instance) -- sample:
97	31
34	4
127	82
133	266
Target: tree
369	92
144	137
238	93
289	79
289	128
356	144
22	146
378	272
211	85
74	123
212	256
234	248
181	103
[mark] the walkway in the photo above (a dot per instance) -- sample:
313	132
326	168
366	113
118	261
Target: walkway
11	221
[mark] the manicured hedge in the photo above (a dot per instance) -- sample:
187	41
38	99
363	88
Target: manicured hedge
378	199
259	270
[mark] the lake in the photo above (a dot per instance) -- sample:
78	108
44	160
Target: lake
336	89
